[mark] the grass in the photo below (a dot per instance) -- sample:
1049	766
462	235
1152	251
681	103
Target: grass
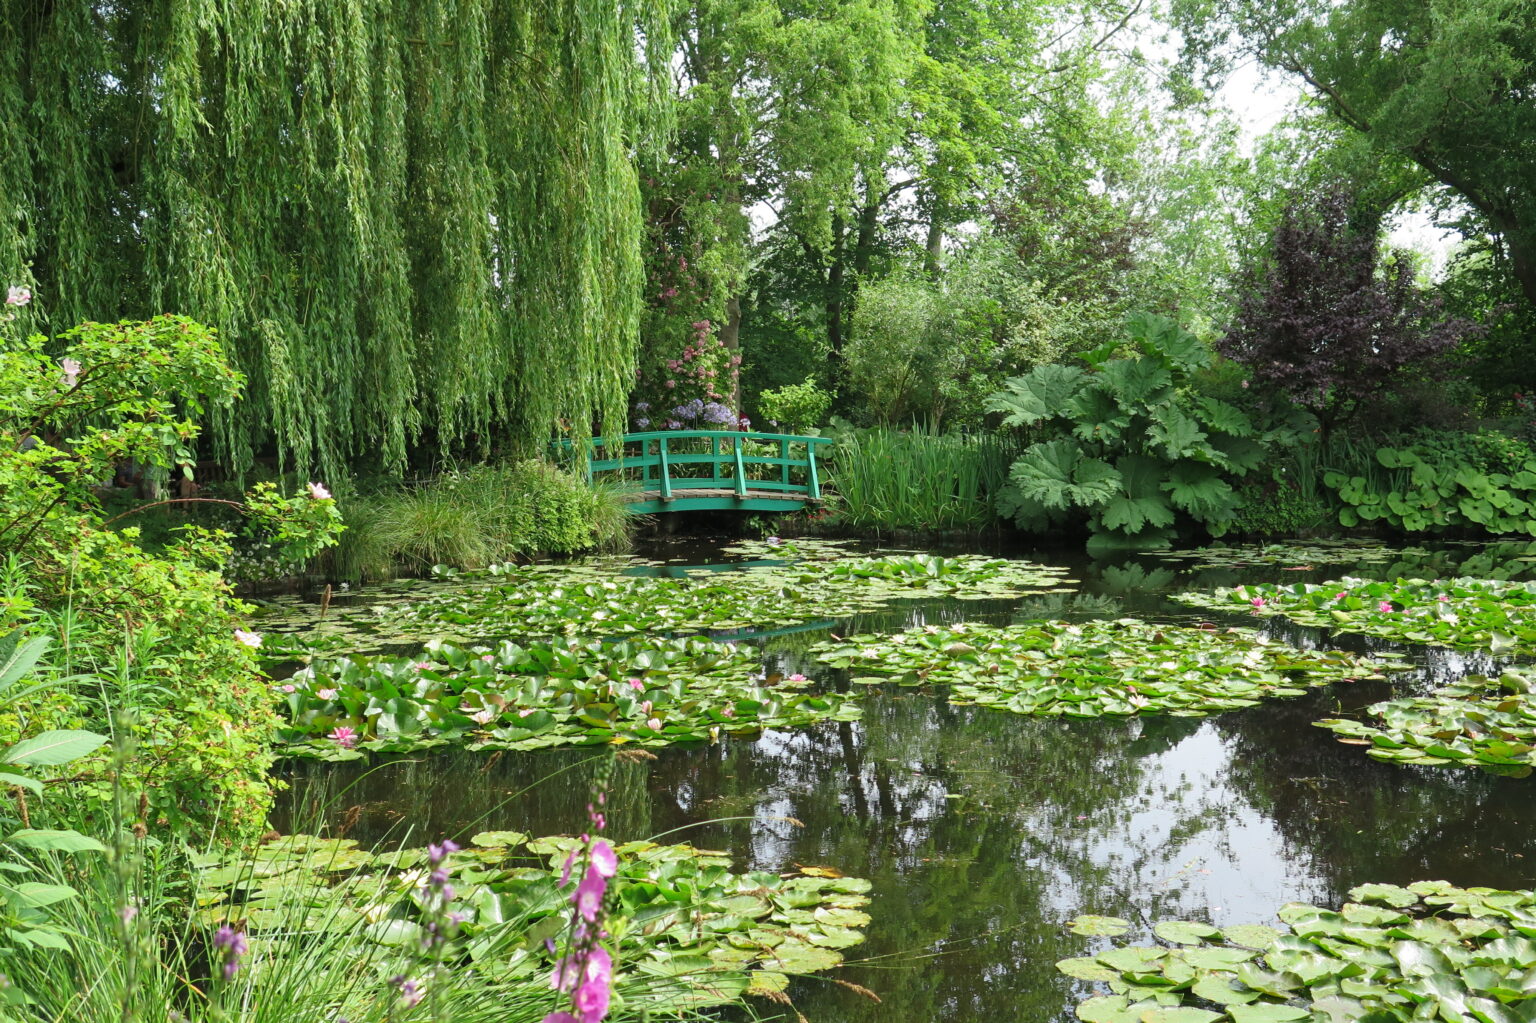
920	479
478	516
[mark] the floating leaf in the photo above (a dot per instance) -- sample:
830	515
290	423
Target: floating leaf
1108	926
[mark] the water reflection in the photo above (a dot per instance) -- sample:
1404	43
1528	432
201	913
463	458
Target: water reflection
982	831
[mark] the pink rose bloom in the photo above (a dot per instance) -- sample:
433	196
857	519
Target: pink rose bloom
250	639
318	492
71	368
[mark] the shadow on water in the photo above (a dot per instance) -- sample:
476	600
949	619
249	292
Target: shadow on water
982	831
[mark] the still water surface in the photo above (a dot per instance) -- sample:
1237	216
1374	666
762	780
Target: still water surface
983	831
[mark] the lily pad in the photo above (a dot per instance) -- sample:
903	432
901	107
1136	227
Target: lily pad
1108	926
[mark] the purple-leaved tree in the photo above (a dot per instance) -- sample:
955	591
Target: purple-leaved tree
1325	320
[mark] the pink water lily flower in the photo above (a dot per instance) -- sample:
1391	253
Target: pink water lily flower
318	492
250	639
1385	606
797	677
1341	595
1257	602
344	736
654	724
637	685
483	717
1443	599
326	694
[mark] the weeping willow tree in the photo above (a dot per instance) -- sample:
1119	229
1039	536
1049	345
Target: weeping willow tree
415	222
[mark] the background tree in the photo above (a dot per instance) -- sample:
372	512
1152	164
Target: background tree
411	222
1325	320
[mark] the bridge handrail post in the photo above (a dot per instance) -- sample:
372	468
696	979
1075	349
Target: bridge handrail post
815	483
666	471
784	459
741	469
714	460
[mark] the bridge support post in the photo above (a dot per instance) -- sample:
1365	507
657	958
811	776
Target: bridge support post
666	472
741	469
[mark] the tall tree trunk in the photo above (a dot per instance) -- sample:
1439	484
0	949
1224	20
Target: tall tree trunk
933	246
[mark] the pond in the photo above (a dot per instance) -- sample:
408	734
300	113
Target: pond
984	831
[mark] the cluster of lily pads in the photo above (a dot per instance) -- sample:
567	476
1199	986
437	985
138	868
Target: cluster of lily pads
1465	613
531	602
1119	667
688	932
1293	555
650	692
1476	722
1430	951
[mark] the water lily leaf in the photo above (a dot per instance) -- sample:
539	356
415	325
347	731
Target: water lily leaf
1182	1014
1384	894
1097	926
1084	968
1108	1009
1250	935
1266	1012
1185	932
1223	991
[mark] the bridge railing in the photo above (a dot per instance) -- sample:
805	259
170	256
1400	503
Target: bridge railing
664	461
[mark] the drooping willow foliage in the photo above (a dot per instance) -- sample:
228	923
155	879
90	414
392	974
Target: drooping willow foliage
415	222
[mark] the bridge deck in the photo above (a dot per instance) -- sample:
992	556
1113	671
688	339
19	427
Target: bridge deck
685	498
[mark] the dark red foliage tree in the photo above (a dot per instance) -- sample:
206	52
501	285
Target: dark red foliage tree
1325	320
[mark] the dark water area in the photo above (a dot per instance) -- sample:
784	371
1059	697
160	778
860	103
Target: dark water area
984	831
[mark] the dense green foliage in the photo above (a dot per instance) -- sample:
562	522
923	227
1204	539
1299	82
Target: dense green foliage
1393	954
1126	441
411	222
146	642
1096	668
1484	481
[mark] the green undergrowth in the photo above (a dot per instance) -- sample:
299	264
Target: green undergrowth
1096	668
651	692
1512	559
532	602
689	933
1488	723
1472	614
1430	951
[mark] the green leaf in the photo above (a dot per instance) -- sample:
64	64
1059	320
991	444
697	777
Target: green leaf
1098	926
1141	501
1200	490
1136	383
55	841
1184	932
19	656
1057	475
1182	1014
1266	1012
53	748
1040	394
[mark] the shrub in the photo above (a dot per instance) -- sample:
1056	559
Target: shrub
1126	441
158	631
794	407
474	517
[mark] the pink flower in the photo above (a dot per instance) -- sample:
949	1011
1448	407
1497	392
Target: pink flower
421	665
701	325
326	694
488	658
797	677
673	365
589	894
524	712
482	717
670	384
318	492
599	965
637	685
18	295
1341	595
669	293
604	860
560	1017
565	871
1384	606
591	1000
729	712
645	706
344	736
287	688
250	639
1443	599
654	724
71	368
1257	602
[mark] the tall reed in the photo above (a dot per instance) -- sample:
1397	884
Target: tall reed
919	479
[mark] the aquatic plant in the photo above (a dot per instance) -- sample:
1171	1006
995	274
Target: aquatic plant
529	602
651	692
1120	667
1465	613
1488	723
1429	950
919	479
685	932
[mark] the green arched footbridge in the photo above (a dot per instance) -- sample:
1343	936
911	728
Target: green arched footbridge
699	470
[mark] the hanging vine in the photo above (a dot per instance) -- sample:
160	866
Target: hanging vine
416	224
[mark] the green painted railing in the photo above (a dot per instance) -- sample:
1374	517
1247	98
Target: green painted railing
692	470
